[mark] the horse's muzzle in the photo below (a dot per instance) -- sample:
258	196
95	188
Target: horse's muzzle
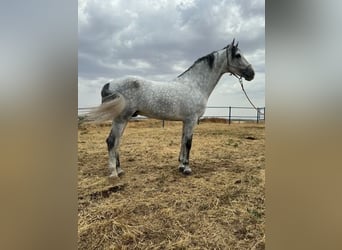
248	73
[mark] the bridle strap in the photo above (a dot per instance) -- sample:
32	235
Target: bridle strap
232	66
227	56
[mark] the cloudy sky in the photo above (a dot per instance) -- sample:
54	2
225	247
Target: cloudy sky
159	39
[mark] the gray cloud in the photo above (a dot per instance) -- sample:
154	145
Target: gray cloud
158	39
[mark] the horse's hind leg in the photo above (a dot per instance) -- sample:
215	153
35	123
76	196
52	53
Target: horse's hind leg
113	142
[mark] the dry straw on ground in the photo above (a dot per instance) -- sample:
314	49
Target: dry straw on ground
153	206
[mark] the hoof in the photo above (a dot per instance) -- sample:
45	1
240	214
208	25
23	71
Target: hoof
185	170
120	171
113	177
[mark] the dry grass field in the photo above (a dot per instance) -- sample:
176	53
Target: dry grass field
153	206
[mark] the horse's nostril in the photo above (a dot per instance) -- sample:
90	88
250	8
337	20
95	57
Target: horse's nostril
249	72
252	73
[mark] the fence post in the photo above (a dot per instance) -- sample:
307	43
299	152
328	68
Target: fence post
163	123
258	115
230	114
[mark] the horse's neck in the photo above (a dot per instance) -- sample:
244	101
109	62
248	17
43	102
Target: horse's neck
203	77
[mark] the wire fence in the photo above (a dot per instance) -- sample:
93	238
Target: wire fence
229	114
238	114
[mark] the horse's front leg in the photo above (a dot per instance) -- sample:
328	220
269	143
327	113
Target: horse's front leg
188	128
113	142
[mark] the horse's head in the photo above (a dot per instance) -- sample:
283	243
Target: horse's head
237	63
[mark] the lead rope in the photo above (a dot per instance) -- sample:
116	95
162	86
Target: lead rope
244	91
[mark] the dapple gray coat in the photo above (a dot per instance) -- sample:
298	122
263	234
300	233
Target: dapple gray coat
181	99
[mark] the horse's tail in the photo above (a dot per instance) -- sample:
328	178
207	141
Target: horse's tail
109	109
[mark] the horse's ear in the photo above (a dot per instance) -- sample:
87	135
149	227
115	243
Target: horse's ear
233	42
237	44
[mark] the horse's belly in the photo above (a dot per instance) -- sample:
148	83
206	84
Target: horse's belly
171	109
170	112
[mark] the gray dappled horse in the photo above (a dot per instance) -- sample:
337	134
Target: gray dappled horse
182	99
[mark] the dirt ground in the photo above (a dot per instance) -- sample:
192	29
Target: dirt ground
153	206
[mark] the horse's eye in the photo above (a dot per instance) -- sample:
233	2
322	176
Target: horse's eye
238	56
